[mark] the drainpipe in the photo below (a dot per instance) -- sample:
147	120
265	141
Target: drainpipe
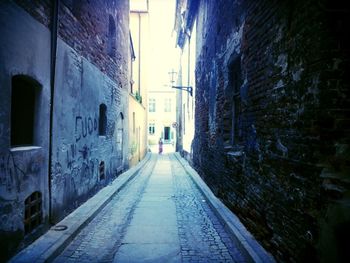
188	71
139	53
54	26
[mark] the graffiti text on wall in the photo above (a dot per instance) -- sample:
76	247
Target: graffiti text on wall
84	126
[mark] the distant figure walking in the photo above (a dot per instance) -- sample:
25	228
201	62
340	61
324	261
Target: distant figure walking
160	144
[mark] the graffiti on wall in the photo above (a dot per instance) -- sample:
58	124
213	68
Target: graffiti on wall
84	126
74	173
14	171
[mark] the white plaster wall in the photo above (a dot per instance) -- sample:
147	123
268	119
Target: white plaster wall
24	49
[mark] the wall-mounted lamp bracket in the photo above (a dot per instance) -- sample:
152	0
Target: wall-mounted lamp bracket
188	89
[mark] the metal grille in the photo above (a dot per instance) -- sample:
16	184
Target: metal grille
33	212
102	170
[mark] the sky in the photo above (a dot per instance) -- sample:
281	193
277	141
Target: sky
163	42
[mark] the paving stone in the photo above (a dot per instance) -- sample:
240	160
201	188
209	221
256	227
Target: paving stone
160	216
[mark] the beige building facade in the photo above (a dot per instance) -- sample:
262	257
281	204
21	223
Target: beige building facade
139	50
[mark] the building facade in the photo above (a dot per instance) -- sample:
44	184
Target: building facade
161	116
272	125
139	28
63	113
185	26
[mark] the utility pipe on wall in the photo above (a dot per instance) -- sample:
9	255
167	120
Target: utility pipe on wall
53	54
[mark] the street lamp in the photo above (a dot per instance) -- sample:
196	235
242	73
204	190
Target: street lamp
189	89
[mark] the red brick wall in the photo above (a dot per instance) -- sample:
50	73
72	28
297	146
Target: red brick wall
295	133
83	25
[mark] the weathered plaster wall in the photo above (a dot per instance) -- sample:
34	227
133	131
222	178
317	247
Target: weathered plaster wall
78	149
91	69
286	176
22	170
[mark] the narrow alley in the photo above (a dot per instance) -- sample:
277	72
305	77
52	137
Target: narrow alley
161	215
174	131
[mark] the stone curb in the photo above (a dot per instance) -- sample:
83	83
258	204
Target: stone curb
53	242
249	246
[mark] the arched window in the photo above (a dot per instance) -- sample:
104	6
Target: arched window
235	82
32	212
24	95
111	44
102	127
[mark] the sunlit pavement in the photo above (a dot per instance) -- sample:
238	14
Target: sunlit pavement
164	214
167	148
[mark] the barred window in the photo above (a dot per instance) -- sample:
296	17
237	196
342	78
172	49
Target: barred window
102	170
33	212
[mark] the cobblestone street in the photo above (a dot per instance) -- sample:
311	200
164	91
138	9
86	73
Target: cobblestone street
160	216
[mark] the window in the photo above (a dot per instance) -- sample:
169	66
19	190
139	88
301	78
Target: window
151	129
152	105
102	170
32	212
23	103
102	124
111	44
167	105
235	82
166	133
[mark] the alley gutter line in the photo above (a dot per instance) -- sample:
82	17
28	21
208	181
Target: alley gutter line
53	242
245	240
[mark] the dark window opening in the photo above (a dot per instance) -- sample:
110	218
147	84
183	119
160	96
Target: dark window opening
151	128
102	170
102	125
32	212
235	82
23	103
166	133
111	45
232	117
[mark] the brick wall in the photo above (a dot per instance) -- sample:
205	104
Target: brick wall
40	10
285	175
84	25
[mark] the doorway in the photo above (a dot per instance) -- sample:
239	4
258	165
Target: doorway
166	133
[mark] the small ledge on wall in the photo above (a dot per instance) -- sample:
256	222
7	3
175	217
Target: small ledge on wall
138	99
233	155
24	148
